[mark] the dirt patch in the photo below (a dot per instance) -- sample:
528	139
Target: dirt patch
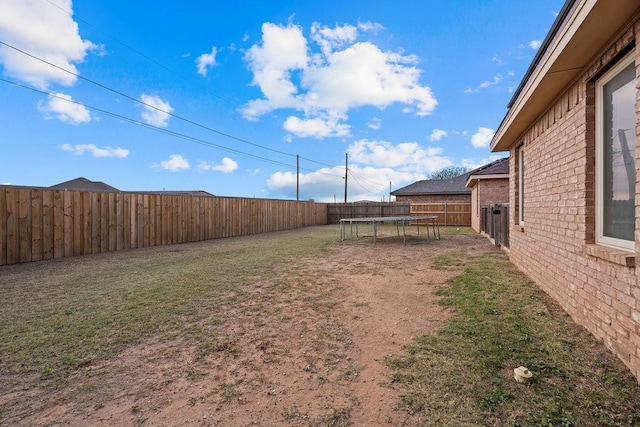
305	346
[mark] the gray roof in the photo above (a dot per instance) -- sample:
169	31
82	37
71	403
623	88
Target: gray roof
455	185
499	167
435	186
83	184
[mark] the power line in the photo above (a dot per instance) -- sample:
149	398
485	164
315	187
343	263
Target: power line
136	51
148	58
357	180
165	131
146	104
149	126
360	178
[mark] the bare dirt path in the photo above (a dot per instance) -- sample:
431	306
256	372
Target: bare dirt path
304	347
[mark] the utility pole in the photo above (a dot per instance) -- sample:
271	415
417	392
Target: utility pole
297	177
346	173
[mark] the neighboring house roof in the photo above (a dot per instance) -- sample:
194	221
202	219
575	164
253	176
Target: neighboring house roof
496	170
457	185
581	30
435	186
83	184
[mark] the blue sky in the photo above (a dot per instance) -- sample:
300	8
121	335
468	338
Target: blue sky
156	95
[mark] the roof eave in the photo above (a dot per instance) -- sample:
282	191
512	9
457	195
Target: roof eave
582	29
473	179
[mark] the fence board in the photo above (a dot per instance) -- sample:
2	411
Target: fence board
337	211
24	228
38	224
448	213
12	244
58	224
3	228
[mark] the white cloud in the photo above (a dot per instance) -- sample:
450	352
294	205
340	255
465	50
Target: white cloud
80	149
330	39
375	123
227	166
482	138
206	61
476	163
41	30
373	165
497	60
175	163
155	111
437	135
64	109
373	27
341	75
327	184
485	84
283	50
362	75
535	44
405	156
488	83
316	128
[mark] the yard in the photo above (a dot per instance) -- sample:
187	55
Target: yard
297	328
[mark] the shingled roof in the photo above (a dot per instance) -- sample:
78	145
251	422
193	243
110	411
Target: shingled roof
496	170
83	184
455	185
435	186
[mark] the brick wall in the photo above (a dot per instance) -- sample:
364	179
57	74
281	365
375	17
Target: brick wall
487	192
556	247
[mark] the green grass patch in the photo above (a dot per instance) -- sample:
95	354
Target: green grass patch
54	320
463	374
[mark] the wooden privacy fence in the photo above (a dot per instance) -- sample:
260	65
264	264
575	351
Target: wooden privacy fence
337	211
38	224
495	223
448	213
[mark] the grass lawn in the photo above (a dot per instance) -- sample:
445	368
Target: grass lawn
59	316
463	374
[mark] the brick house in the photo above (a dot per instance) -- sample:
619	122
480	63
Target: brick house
83	184
571	131
489	186
436	191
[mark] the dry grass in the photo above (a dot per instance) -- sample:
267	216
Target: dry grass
249	304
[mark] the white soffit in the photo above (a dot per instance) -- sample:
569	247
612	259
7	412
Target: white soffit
587	27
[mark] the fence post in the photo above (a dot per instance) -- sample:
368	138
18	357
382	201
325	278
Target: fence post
445	213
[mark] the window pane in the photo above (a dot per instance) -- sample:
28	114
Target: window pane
619	143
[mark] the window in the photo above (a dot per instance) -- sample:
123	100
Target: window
520	159
615	155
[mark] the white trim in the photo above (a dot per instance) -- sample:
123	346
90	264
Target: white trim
494	176
602	81
569	29
520	153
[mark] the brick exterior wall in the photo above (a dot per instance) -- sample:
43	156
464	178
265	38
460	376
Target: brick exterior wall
597	286
436	198
487	192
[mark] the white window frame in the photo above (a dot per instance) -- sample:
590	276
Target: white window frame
628	245
520	154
